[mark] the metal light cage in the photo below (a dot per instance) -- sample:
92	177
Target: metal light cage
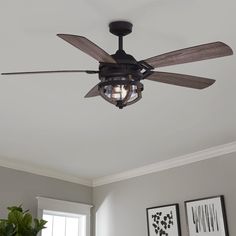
121	91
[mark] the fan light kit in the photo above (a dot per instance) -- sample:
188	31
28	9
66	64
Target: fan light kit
121	75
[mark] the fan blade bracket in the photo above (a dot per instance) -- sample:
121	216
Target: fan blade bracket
145	65
146	74
146	69
92	72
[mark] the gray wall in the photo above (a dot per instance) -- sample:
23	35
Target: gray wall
18	187
120	207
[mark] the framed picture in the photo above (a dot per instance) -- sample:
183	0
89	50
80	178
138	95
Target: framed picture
206	217
163	220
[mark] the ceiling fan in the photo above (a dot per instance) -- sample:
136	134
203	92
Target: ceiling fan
120	74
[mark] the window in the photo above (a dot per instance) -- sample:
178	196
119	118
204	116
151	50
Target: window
64	218
63	224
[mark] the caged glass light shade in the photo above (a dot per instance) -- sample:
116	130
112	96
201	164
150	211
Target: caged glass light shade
121	91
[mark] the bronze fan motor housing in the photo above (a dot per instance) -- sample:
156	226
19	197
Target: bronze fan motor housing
120	74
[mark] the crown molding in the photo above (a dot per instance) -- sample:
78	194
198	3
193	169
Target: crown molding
39	170
145	170
168	164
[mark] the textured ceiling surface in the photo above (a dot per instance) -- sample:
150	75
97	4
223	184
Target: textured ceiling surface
44	120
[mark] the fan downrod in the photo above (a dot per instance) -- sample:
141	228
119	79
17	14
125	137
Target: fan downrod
120	29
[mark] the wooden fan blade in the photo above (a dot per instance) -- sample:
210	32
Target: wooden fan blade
93	92
87	47
181	80
50	72
197	53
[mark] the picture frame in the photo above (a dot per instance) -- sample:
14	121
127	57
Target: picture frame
163	220
207	216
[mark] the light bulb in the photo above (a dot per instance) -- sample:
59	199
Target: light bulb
119	92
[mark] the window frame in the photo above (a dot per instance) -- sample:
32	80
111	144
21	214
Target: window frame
50	204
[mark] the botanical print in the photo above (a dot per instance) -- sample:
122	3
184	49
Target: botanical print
163	221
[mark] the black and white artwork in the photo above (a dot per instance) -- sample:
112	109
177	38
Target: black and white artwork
207	217
163	220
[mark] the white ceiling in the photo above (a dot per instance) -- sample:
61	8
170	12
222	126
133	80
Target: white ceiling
44	120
